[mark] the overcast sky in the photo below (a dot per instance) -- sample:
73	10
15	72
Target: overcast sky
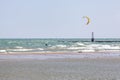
59	18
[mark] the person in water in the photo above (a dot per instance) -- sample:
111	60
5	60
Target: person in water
92	39
46	44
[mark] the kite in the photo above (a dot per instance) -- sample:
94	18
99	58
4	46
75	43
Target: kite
88	19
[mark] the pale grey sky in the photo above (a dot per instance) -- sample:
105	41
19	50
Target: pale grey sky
59	18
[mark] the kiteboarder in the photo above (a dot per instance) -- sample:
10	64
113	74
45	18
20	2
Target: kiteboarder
46	44
92	39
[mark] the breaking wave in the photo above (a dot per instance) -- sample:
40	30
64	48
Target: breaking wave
55	45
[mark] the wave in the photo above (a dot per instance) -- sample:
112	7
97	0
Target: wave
55	45
58	47
19	50
3	51
19	47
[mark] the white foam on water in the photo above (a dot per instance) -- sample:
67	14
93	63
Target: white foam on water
19	47
80	44
93	48
75	48
89	50
110	47
3	51
58	47
41	49
61	46
18	50
55	45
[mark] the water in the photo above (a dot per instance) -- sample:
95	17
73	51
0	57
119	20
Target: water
59	45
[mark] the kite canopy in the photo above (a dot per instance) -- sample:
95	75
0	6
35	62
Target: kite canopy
88	19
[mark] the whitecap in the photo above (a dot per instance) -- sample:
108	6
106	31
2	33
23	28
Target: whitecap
58	46
3	51
19	47
75	48
21	50
80	44
90	50
40	49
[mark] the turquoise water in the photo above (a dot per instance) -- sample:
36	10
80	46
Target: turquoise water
59	45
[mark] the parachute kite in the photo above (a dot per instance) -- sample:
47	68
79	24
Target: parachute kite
88	19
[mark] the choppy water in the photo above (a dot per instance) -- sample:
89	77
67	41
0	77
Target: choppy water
58	45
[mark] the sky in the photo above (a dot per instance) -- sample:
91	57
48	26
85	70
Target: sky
59	18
